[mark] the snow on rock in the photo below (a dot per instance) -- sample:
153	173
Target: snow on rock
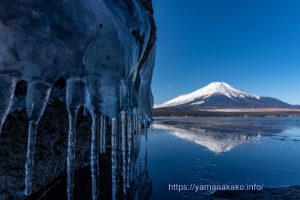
198	103
215	88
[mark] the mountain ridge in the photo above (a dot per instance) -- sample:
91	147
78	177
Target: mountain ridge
221	95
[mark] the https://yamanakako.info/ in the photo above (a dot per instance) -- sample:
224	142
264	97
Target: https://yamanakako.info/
212	187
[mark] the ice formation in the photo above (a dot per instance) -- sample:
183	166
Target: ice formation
104	49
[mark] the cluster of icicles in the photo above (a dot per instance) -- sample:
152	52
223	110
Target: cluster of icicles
123	132
122	129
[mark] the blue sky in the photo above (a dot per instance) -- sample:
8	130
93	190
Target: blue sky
253	45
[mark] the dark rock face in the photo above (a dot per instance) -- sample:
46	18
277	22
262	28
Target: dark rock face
67	69
50	155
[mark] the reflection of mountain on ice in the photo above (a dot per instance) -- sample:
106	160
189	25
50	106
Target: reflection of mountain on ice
214	141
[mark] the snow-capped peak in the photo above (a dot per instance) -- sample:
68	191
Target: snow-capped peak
214	88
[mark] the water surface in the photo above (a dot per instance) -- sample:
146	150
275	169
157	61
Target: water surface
229	150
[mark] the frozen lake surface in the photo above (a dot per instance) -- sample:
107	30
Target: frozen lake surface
192	150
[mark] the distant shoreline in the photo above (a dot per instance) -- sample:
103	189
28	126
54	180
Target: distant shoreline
228	112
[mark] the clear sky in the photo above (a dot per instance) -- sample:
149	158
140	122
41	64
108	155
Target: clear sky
253	45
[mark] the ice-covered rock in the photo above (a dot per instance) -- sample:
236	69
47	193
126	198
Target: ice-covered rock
103	49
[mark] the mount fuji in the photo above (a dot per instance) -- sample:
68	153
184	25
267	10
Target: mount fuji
220	95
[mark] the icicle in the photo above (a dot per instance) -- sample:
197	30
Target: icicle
113	157
123	146
7	88
124	106
93	103
94	157
75	93
129	146
98	151
36	101
71	154
133	159
102	141
123	95
84	111
135	120
129	122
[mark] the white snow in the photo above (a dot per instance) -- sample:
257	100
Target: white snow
198	103
211	89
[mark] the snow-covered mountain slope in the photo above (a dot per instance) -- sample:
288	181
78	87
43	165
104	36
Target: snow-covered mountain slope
222	95
215	88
